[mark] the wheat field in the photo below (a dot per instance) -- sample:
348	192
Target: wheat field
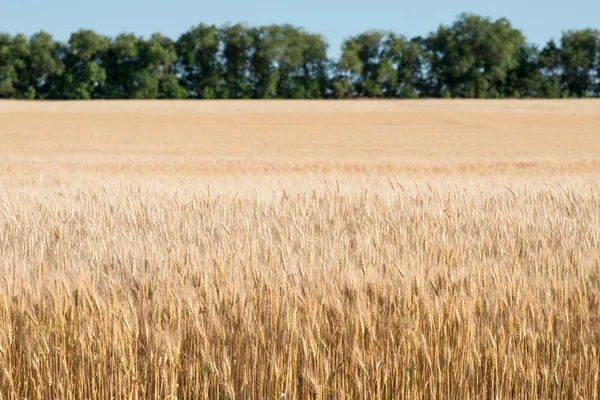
300	250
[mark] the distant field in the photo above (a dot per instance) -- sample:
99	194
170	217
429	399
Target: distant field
300	250
274	137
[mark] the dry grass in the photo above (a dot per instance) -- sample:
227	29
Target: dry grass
327	250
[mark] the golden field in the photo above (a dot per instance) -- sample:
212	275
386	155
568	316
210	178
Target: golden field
300	250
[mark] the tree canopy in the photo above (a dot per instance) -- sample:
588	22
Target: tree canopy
474	57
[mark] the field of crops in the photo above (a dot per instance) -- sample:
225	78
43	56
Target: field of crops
300	250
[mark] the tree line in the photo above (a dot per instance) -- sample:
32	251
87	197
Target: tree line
474	57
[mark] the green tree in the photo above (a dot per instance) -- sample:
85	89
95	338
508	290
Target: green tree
404	56
122	63
9	65
237	44
379	64
362	66
580	58
472	57
199	56
263	71
287	62
142	69
14	67
158	76
312	78
525	81
84	75
44	65
28	66
550	69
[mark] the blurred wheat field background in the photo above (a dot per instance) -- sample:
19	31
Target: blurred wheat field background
300	250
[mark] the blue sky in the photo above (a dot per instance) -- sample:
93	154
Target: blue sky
335	19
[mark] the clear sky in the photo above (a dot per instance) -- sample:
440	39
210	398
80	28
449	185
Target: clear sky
335	19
